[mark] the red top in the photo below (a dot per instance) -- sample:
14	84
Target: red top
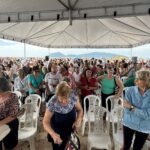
84	82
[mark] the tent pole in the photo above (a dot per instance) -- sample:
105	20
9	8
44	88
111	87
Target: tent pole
49	52
131	53
24	49
70	13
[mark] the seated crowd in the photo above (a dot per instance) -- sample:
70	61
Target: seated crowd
63	84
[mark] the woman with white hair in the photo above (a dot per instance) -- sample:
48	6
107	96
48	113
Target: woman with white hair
136	119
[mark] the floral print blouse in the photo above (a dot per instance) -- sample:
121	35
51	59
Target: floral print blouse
9	105
54	106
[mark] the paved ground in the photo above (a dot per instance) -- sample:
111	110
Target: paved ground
43	144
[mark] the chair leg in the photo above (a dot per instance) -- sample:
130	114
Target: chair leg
83	128
32	144
89	146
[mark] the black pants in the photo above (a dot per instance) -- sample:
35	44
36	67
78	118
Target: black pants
139	141
104	97
11	140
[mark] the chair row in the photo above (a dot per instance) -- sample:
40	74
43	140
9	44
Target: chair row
28	121
92	101
105	130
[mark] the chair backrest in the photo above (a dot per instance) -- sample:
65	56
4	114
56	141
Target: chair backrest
123	79
12	87
98	91
35	99
101	126
114	102
19	95
29	109
123	92
4	131
93	101
118	111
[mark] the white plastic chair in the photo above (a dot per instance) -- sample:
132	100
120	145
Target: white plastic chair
99	134
36	100
98	91
117	127
123	79
147	144
123	92
93	102
29	129
12	87
19	95
4	131
114	102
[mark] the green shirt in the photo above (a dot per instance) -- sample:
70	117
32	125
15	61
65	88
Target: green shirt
108	86
129	82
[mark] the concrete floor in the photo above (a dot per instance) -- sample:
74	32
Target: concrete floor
42	143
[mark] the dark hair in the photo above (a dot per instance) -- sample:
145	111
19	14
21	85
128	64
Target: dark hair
35	68
47	58
4	86
125	65
84	72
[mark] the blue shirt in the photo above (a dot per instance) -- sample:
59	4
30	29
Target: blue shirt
54	105
138	120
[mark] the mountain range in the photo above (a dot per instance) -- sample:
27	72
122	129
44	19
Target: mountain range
87	55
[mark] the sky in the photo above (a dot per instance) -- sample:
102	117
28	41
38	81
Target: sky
16	49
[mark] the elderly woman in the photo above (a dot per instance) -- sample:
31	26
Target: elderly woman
52	78
21	83
136	119
9	107
60	117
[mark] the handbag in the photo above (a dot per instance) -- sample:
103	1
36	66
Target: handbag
73	142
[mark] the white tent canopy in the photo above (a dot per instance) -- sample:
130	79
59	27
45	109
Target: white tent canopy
114	23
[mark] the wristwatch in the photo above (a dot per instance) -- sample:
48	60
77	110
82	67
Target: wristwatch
131	107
